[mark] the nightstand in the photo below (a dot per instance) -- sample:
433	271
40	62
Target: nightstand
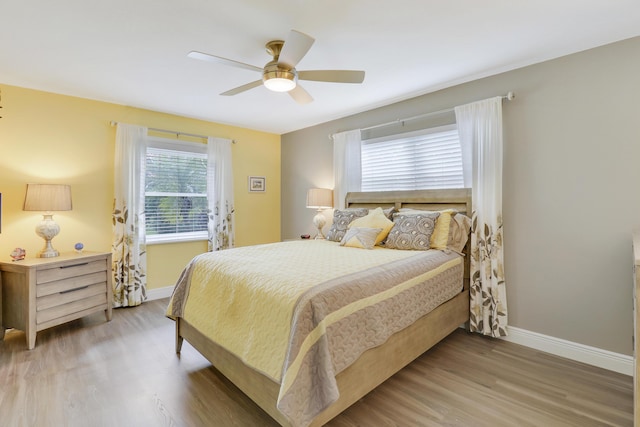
39	293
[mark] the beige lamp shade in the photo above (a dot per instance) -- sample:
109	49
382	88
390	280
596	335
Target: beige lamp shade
47	197
320	198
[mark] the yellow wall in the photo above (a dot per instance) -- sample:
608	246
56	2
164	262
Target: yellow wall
49	138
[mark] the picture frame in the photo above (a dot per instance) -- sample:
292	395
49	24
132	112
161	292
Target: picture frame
257	184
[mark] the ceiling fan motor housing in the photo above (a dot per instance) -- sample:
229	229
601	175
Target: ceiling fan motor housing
279	79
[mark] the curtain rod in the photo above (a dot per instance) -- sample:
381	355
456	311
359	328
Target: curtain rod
176	133
509	96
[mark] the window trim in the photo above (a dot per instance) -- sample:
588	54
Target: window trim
189	147
171	144
426	131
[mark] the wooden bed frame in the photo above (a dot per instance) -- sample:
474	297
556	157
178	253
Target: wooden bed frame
375	365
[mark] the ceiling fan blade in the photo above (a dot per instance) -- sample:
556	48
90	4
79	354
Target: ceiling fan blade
219	60
295	48
242	88
300	95
334	76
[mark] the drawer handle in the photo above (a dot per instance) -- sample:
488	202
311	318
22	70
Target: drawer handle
74	265
75	289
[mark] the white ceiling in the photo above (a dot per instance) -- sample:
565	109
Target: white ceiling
134	52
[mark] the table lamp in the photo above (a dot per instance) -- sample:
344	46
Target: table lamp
320	199
47	198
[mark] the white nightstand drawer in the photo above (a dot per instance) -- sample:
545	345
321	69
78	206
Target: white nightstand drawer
68	270
65	285
71	308
72	295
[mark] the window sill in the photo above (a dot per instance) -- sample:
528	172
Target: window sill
176	238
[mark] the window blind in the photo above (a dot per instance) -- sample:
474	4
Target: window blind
175	192
426	159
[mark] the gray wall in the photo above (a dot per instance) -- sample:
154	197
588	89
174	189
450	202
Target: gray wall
571	187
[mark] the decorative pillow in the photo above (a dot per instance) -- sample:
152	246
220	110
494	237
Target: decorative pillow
360	237
440	236
341	221
388	212
375	219
459	232
412	231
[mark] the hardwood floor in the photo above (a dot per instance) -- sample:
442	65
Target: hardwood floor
125	373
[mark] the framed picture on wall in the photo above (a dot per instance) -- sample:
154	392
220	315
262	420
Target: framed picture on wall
257	184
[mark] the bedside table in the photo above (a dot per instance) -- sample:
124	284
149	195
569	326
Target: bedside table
38	293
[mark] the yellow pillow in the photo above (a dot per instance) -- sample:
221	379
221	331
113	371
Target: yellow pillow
375	219
440	236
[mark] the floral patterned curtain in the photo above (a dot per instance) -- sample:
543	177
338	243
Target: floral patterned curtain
220	194
129	263
480	129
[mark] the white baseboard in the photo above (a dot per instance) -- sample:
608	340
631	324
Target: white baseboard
579	352
159	293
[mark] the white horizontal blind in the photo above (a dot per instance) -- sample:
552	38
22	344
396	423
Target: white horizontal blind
175	193
426	159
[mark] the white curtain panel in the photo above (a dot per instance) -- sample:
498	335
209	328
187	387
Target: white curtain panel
347	166
220	194
129	263
480	129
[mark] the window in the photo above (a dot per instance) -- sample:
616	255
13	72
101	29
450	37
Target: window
175	191
425	159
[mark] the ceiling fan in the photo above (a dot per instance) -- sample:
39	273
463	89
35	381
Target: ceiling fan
280	74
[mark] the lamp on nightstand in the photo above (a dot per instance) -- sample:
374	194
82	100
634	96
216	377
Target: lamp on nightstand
47	198
320	199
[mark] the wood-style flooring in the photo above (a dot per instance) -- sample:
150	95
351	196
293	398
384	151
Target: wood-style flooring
125	373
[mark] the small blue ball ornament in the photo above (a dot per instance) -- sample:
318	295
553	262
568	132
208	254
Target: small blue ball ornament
79	247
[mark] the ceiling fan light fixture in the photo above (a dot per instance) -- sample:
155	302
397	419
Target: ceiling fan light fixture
280	80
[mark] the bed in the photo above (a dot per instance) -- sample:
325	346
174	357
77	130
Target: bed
277	378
